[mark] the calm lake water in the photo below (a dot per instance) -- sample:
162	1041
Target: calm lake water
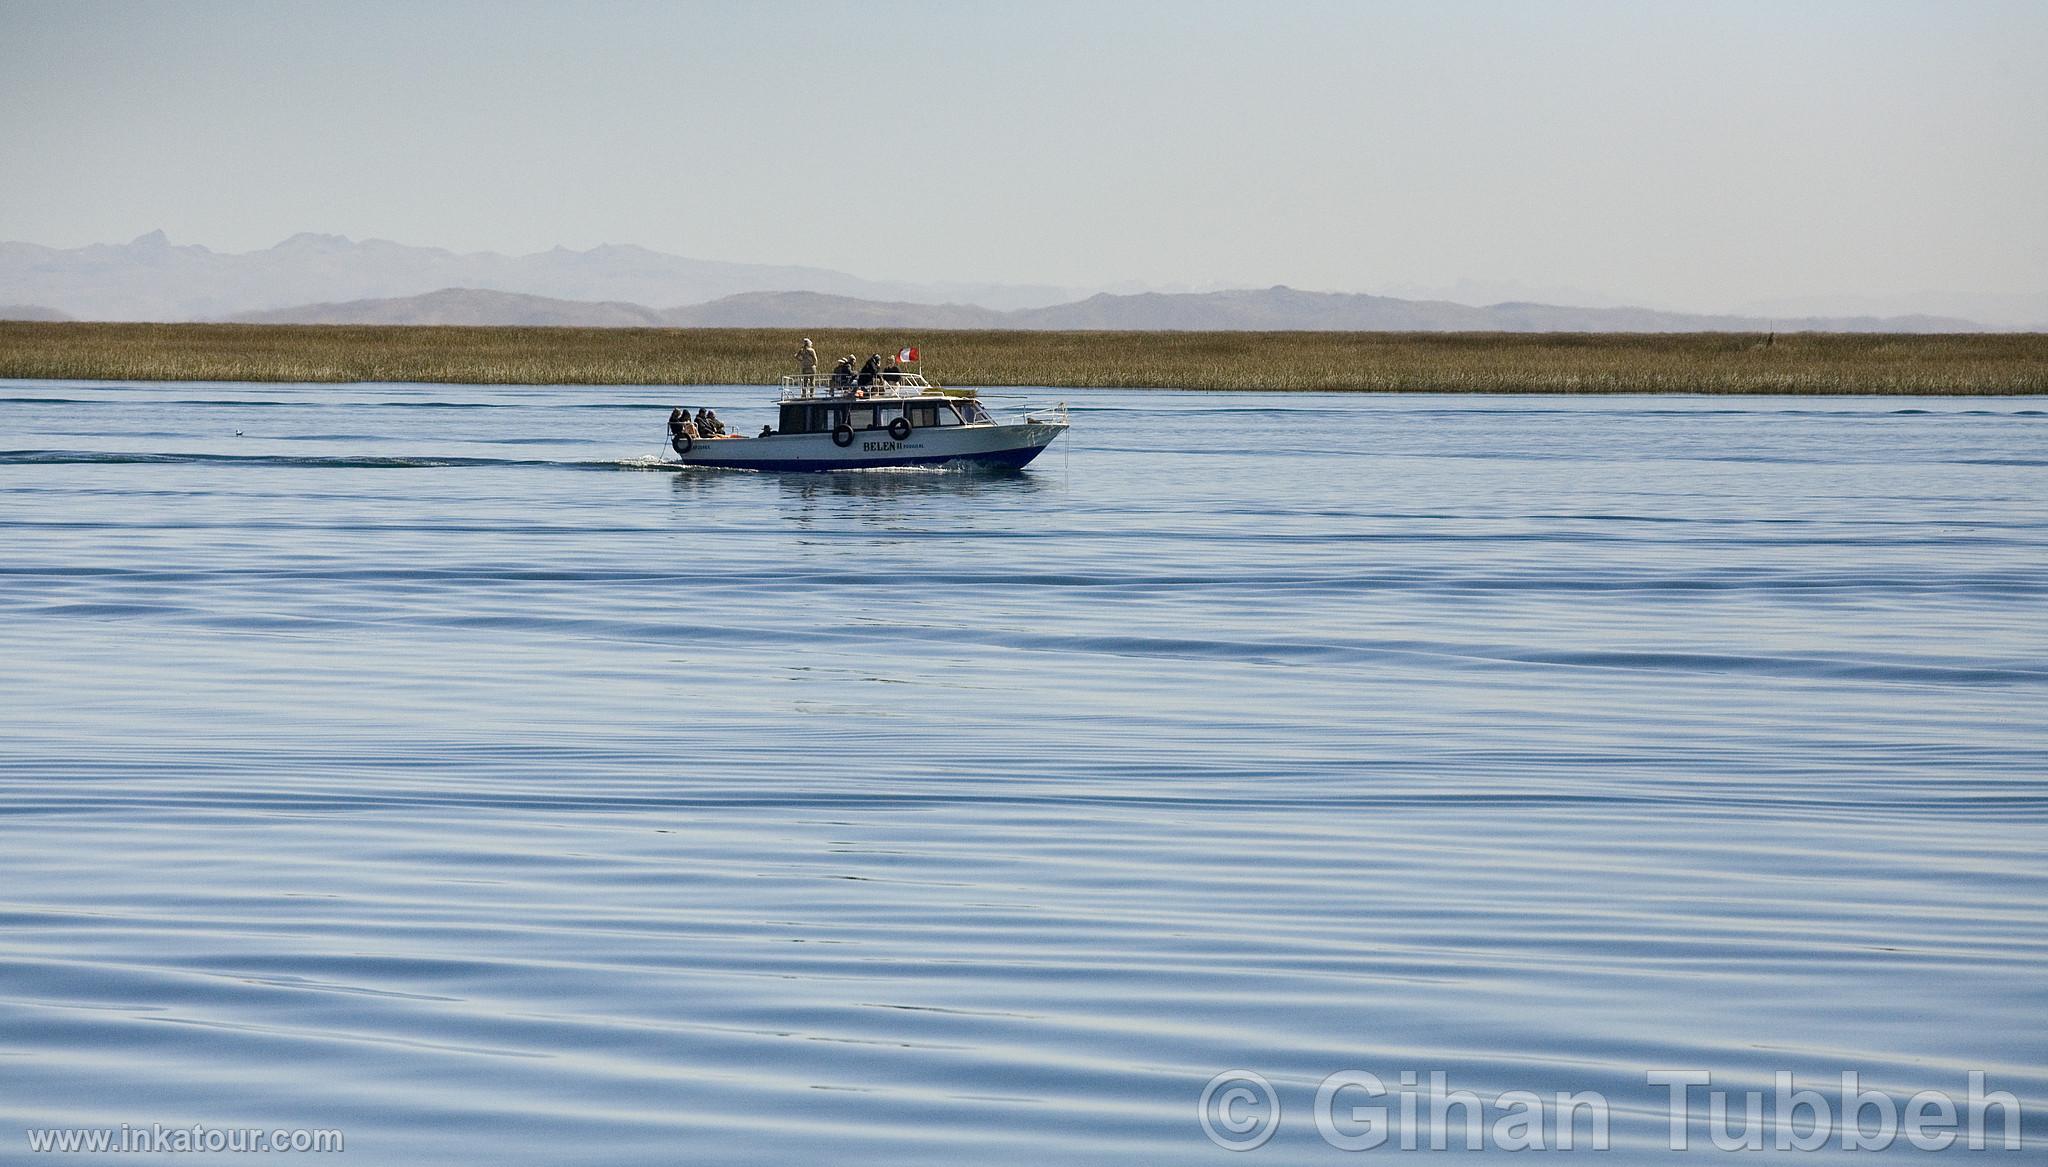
430	763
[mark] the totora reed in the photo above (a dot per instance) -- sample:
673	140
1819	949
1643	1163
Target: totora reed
1431	362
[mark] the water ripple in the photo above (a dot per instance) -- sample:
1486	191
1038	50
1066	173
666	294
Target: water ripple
495	813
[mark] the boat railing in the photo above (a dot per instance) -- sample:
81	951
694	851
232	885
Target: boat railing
826	385
1055	412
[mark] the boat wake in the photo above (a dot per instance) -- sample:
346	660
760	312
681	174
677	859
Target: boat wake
643	462
316	461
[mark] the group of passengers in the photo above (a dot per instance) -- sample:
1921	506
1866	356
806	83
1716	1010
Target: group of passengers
704	425
844	374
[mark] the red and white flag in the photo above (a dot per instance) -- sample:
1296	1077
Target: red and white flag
908	354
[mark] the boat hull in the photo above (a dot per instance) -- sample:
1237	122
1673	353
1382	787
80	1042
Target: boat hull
1010	446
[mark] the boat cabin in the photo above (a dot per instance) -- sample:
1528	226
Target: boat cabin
813	405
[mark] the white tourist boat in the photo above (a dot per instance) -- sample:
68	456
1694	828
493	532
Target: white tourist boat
902	420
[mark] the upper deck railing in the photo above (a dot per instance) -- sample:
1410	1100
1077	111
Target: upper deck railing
828	385
883	385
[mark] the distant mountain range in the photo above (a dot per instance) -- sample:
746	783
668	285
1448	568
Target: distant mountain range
151	278
1272	309
328	279
746	310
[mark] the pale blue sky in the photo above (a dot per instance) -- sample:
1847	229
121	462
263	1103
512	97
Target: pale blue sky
1699	154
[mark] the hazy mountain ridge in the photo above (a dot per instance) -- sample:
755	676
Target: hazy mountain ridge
333	279
31	312
1278	309
815	310
467	306
150	278
2026	312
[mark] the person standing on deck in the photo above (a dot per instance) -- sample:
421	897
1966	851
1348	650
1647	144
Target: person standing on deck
807	359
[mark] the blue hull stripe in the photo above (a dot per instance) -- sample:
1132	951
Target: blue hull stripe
1009	458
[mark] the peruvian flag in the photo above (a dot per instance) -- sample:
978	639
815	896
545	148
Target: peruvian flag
908	354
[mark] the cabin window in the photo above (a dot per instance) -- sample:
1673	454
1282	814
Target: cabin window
922	416
973	412
862	417
809	419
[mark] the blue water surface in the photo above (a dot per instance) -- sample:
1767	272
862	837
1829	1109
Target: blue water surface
436	764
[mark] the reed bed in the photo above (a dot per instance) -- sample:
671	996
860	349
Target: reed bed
1434	362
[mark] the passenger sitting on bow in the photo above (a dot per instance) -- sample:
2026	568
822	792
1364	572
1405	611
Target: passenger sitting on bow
710	425
687	429
677	419
871	370
842	373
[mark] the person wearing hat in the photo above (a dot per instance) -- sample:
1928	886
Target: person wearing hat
807	359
